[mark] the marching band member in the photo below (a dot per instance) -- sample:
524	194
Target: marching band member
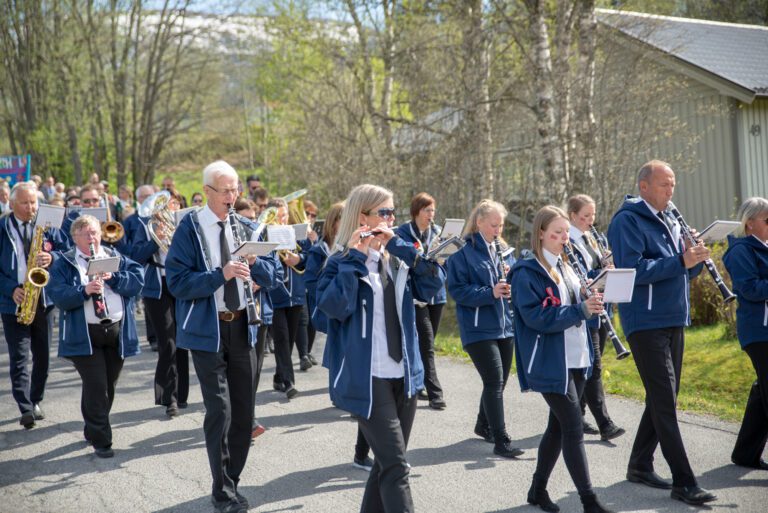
581	212
310	211
485	318
421	231
212	323
16	238
96	340
747	262
644	237
554	353
172	369
366	290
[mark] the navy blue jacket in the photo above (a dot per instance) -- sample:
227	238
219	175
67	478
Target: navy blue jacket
54	242
142	249
471	278
292	291
747	262
316	258
540	326
409	232
641	241
193	282
345	295
69	295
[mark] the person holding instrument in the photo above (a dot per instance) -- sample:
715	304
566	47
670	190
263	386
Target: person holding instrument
554	352
212	323
484	316
581	212
96	344
366	291
747	262
644	237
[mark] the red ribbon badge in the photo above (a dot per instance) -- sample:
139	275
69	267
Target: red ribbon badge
417	245
551	299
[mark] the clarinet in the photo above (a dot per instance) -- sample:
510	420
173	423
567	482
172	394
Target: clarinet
500	266
99	303
252	305
621	351
728	296
607	256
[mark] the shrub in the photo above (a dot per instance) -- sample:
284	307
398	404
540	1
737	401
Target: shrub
707	306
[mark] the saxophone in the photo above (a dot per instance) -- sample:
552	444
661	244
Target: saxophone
37	278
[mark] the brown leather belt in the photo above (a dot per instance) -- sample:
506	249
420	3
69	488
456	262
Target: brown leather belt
231	316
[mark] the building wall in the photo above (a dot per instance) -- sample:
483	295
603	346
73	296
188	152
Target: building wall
753	148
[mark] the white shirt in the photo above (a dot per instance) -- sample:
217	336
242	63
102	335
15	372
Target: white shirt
576	351
209	223
21	271
112	298
382	365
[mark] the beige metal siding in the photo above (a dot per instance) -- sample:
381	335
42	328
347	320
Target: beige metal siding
753	148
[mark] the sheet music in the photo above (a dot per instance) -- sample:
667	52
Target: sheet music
255	248
301	230
718	231
285	236
50	216
179	214
103	265
99	213
452	228
618	285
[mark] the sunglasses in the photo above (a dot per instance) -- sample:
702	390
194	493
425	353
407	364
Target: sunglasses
89	201
384	213
310	214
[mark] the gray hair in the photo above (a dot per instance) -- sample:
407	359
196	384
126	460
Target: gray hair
145	190
24	186
83	221
751	209
4	185
216	169
644	175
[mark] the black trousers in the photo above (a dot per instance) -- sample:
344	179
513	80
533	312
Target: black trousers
172	370
427	323
21	340
285	326
387	431
658	355
311	331
565	434
361	445
302	335
492	359
99	373
261	341
227	381
753	434
594	395
151	336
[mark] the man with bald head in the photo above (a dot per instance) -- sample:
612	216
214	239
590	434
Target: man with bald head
644	236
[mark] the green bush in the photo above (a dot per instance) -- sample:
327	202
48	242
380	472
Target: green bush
707	306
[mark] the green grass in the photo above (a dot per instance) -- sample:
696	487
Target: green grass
716	379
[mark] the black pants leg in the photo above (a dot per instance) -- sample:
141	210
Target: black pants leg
426	332
151	336
753	434
311	331
285	324
594	395
565	434
302	337
387	431
22	340
361	446
492	359
658	355
172	370
226	381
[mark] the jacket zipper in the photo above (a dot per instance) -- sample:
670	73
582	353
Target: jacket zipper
477	315
63	328
365	316
341	368
650	295
186	319
533	355
765	316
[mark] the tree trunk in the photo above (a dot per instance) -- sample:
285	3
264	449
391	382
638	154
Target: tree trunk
584	175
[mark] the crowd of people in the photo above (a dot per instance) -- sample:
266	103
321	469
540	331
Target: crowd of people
378	294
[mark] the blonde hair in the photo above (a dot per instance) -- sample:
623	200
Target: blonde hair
361	199
329	228
482	210
576	203
541	222
750	209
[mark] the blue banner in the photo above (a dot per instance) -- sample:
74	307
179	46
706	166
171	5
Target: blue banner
15	168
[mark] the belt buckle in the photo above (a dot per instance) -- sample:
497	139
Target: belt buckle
227	316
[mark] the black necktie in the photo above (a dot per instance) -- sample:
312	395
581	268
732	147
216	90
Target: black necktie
591	251
231	294
391	319
664	219
25	237
561	268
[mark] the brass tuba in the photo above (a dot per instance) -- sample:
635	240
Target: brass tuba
111	231
161	223
295	202
37	278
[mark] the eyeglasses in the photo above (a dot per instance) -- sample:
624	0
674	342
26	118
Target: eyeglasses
223	191
310	214
89	201
384	213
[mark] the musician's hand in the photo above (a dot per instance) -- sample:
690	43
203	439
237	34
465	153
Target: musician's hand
18	295
94	287
695	234
506	269
44	259
255	287
502	289
251	259
291	259
695	255
360	244
106	276
235	269
312	235
595	304
384	233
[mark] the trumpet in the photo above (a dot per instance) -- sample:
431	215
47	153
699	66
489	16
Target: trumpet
621	351
728	296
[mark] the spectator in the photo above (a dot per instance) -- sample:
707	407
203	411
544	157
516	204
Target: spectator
260	197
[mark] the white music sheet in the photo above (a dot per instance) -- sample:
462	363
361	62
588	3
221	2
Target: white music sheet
285	236
618	285
718	231
50	216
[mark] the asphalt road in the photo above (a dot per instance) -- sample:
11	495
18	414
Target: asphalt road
303	461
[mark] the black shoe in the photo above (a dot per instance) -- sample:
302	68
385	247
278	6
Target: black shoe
592	505
363	463
27	420
38	412
312	359
153	346
172	410
183	405
280	387
651	479
538	496
692	495
589	429
760	465
242	500
505	449
422	395
291	392
437	404
104	452
230	506
610	432
484	432
304	363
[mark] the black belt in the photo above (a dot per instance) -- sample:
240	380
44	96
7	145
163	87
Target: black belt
231	316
